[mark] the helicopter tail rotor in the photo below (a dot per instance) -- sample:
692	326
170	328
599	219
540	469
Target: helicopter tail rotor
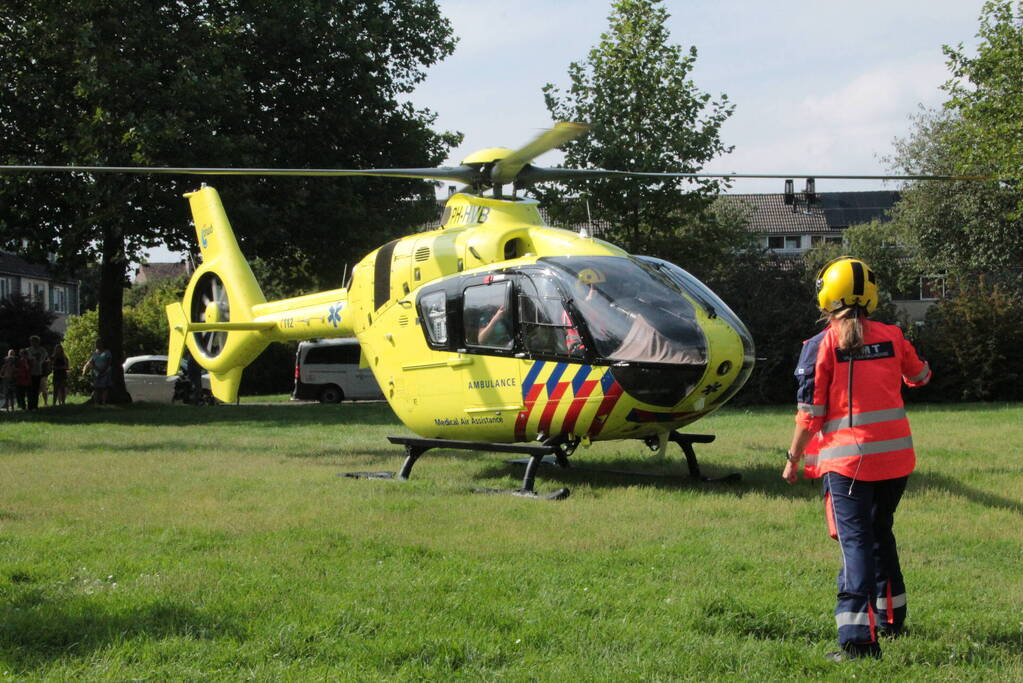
215	320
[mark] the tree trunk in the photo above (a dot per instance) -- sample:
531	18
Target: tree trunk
113	270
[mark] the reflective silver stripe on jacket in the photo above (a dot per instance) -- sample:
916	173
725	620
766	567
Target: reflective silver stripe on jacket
897	601
852	619
869	448
815	410
923	373
868	418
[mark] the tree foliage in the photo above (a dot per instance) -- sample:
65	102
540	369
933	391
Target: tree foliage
310	83
22	317
646	114
969	228
961	228
986	96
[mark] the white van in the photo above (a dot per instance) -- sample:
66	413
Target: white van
328	371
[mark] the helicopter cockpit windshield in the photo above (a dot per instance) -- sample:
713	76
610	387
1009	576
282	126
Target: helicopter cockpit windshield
631	312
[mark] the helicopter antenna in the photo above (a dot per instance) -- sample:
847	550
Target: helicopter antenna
587	230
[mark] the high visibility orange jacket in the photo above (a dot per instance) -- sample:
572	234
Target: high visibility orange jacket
877	444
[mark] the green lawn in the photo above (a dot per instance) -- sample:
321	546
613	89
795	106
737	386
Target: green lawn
219	543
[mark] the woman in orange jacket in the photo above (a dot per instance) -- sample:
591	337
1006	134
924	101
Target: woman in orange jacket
852	427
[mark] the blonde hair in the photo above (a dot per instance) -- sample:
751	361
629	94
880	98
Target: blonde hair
850	327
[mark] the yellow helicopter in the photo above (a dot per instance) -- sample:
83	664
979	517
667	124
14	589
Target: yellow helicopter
492	330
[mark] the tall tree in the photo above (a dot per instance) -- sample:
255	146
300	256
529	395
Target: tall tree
646	114
986	95
309	83
960	228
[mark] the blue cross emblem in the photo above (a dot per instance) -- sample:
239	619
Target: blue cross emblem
711	388
334	314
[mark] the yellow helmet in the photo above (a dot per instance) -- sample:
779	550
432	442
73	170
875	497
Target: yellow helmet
846	282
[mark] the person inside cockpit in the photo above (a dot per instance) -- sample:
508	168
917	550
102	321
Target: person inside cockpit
494	327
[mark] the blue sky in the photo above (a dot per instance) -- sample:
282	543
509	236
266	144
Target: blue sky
819	87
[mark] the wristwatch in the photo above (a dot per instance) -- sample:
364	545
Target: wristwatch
792	458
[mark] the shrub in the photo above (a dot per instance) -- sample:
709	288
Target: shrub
972	341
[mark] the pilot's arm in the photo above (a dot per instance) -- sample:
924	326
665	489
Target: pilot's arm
488	333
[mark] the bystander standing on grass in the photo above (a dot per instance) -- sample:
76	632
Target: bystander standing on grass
100	363
7	383
22	379
38	360
60	365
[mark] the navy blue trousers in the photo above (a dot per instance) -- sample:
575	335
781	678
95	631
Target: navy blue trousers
871	591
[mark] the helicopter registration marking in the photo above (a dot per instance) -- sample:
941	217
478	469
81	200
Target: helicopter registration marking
468	215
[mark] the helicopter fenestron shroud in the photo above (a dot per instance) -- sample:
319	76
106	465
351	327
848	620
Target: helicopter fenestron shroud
409	305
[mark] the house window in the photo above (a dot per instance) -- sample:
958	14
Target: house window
6	287
818	240
932	287
35	290
784	242
60	299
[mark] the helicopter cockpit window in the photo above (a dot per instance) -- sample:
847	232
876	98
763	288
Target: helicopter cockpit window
632	312
547	328
433	311
487	315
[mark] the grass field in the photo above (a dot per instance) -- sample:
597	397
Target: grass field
181	543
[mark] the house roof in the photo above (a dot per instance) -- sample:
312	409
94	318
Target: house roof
768	213
15	265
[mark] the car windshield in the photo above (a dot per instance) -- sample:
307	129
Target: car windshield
630	310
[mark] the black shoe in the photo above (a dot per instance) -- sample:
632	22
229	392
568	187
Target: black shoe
855	651
893	633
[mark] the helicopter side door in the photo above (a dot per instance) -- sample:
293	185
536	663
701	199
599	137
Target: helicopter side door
492	382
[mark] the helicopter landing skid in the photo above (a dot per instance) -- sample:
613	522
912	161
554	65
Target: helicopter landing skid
415	447
685	441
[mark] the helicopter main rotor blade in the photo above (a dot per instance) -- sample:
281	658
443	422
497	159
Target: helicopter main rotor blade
464	174
533	174
506	170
